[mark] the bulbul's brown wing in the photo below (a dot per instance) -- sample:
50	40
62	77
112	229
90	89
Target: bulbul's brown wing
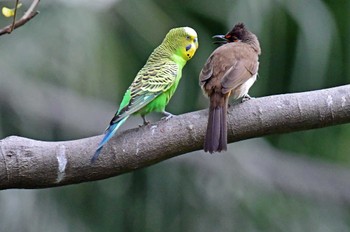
244	68
228	67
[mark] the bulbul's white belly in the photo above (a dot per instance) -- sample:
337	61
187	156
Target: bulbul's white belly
244	88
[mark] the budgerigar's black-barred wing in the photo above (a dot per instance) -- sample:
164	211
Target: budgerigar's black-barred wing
152	80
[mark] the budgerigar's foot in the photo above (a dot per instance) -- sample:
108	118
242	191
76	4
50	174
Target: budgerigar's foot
246	98
145	122
167	115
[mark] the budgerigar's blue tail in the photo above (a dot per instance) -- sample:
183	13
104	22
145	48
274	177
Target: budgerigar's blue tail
108	135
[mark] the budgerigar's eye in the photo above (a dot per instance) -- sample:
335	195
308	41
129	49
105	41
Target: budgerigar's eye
188	37
195	40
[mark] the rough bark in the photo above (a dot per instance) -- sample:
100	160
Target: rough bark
27	163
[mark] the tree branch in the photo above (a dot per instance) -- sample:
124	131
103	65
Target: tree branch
30	13
26	163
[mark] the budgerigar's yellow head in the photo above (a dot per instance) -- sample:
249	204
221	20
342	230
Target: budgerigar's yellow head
183	41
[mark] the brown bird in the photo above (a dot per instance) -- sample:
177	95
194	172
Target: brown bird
229	72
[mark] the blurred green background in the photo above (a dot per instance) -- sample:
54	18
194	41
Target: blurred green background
63	74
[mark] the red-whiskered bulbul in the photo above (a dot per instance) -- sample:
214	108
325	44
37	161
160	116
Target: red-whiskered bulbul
229	72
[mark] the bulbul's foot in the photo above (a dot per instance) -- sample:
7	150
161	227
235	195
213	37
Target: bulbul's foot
246	98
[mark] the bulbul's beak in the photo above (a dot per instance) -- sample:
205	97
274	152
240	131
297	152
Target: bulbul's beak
221	39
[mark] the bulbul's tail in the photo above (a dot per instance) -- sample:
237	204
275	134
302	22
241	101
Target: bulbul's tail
216	137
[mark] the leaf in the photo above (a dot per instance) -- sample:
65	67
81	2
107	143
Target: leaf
7	12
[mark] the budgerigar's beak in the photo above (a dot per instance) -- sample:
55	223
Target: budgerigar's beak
220	39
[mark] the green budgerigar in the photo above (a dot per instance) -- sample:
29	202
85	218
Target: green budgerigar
156	82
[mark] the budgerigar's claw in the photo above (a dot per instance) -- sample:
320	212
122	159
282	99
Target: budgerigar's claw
145	122
166	118
167	115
